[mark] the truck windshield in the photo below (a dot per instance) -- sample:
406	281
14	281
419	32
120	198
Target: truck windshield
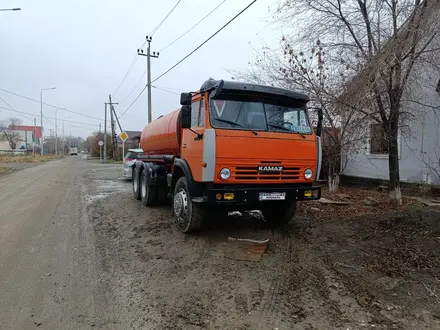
258	116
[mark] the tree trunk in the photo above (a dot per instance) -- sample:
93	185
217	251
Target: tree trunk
333	176
320	119
333	182
393	163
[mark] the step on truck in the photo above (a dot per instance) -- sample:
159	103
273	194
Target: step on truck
231	146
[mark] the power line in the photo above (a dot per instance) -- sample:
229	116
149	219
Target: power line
49	105
212	36
164	19
133	62
165	90
192	52
126	74
137	97
12	108
174	89
151	34
131	92
190	29
48	120
66	120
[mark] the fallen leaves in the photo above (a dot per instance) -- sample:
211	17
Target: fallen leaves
358	202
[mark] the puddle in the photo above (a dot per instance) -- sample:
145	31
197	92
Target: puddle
241	249
108	185
92	198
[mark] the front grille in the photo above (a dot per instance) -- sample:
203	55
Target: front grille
250	172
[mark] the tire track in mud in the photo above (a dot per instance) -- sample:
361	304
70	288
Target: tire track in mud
277	303
299	292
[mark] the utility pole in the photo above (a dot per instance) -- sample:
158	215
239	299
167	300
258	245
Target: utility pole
35	136
112	109
105	134
56	132
41	115
114	139
64	140
148	55
99	127
51	141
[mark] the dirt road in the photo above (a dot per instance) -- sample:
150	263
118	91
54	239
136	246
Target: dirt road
78	252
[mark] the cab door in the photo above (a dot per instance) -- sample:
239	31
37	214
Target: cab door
192	140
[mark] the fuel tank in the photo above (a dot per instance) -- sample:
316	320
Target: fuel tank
163	135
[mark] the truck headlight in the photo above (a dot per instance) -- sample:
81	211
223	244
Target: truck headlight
308	173
225	173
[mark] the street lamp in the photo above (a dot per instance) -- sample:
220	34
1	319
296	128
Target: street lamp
41	113
56	129
64	137
10	9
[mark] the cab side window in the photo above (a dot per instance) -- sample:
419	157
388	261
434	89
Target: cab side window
195	107
201	121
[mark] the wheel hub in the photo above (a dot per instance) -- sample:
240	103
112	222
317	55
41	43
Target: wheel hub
135	183
144	187
180	204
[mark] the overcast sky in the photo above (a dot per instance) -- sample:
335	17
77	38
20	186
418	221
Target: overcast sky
84	48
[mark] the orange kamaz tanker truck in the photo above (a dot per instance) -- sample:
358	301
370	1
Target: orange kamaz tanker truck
231	146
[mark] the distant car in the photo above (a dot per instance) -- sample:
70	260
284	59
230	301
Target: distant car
129	160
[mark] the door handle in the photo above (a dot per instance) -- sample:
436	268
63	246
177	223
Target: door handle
184	145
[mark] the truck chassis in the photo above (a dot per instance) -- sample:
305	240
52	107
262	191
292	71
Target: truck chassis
157	179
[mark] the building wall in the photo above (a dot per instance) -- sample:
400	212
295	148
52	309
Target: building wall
419	138
25	136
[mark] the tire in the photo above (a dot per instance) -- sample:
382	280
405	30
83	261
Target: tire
188	215
148	193
135	180
278	214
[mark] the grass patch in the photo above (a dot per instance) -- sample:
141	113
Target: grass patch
28	158
5	170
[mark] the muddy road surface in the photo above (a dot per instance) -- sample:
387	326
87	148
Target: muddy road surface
78	252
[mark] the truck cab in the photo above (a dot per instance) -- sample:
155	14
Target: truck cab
242	147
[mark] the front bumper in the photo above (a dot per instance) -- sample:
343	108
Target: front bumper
250	195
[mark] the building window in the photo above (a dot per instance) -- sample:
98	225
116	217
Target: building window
378	140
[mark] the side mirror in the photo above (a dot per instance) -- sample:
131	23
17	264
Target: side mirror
186	116
185	98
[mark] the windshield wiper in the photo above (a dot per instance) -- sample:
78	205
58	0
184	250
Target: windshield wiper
286	129
280	127
236	124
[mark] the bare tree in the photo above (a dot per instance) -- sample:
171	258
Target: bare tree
7	131
379	42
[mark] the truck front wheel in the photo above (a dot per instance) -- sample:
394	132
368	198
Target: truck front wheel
278	214
188	215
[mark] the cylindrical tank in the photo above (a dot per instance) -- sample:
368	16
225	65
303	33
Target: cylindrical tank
163	135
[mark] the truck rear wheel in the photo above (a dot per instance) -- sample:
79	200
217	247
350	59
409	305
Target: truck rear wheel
278	214
188	215
135	183
148	193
